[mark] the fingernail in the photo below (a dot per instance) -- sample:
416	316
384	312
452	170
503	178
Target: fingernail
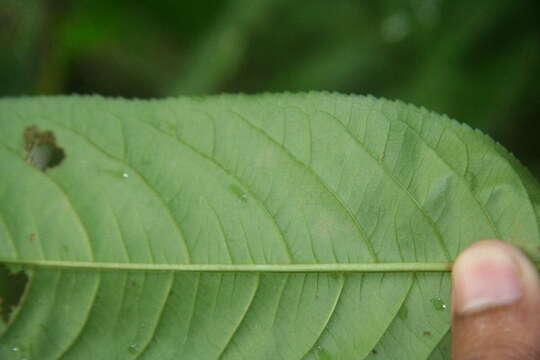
485	276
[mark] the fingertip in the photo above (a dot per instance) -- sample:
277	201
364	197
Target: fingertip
495	303
487	274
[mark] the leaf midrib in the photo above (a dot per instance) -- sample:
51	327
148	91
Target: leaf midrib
255	268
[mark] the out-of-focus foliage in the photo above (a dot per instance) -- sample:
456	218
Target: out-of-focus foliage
478	61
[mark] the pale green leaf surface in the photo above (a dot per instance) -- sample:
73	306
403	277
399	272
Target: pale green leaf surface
279	181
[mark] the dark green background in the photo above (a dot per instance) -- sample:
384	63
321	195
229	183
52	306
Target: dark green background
477	61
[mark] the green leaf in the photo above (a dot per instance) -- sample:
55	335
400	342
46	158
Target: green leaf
309	226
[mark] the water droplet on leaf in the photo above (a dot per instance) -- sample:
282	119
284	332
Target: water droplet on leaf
323	354
239	192
438	304
403	313
133	348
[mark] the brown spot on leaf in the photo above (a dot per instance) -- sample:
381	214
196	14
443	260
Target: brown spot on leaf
41	148
426	333
31	237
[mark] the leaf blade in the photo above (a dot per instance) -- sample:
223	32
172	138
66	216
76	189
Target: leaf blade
302	220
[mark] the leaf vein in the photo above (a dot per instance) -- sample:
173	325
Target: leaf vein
316	176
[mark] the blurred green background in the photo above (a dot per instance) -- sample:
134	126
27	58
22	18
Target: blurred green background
477	61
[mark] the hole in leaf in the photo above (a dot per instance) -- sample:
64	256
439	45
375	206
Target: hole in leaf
41	148
12	285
